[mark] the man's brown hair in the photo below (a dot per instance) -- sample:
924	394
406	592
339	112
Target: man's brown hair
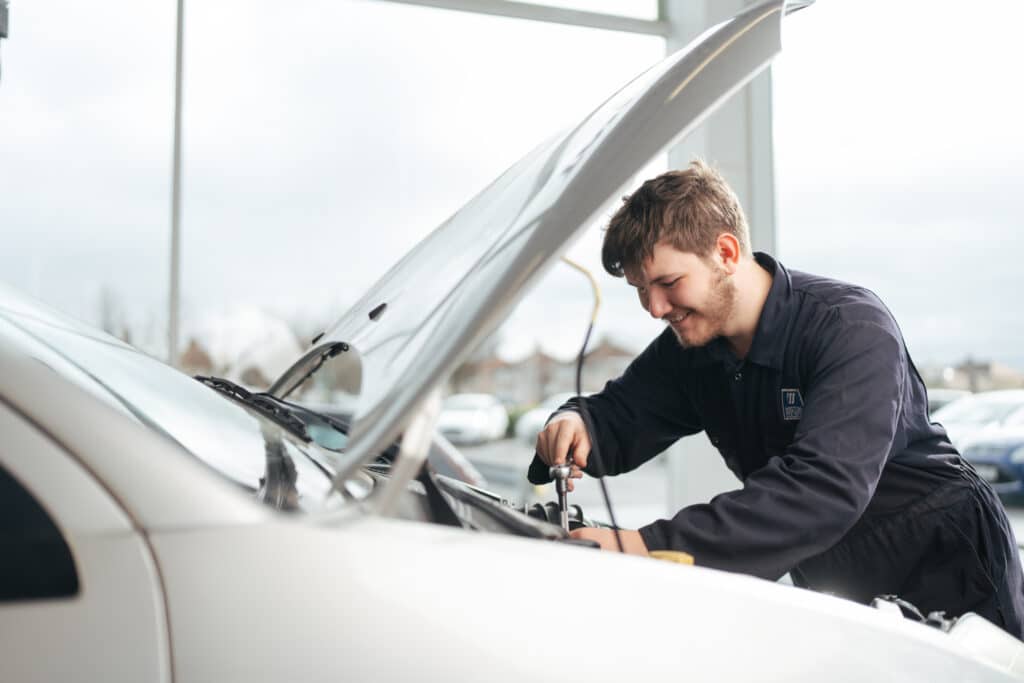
688	209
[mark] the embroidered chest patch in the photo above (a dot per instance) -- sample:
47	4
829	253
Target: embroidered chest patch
792	404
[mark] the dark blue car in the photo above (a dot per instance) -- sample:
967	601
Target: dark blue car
998	456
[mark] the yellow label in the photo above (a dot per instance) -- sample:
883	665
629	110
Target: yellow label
672	556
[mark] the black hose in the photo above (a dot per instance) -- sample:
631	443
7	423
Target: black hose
594	451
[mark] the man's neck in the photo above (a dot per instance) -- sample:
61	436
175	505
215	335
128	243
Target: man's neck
752	286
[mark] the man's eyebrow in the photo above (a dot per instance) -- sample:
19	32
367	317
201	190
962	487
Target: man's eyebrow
658	280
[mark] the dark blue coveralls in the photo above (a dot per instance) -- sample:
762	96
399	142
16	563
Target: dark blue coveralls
847	485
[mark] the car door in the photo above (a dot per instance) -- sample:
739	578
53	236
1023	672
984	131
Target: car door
80	595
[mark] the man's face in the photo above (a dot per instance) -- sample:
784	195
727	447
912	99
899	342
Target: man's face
694	296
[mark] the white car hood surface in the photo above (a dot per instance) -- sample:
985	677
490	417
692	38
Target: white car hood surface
380	598
414	326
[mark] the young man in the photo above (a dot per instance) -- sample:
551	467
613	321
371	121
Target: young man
805	386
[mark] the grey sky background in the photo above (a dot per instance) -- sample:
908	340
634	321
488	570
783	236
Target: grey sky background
325	138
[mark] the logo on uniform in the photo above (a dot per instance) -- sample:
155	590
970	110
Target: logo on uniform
792	404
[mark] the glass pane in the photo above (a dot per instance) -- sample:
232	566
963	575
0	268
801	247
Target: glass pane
900	169
86	114
638	9
320	144
325	144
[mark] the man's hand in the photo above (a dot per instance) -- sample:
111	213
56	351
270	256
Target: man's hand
566	432
632	541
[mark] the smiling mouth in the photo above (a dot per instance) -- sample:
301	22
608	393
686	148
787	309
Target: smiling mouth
676	319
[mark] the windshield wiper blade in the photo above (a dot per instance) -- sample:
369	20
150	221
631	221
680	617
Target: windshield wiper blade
266	404
298	409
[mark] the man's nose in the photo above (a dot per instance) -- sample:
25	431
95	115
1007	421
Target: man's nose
657	304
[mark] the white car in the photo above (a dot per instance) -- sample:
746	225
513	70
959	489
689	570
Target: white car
974	416
472	418
160	528
940	398
532	421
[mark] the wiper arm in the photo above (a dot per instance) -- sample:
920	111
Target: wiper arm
275	409
333	422
285	385
277	485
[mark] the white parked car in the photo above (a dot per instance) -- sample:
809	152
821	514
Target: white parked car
160	528
532	421
973	416
472	418
940	398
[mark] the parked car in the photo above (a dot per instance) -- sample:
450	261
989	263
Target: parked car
998	456
472	418
941	397
159	527
970	417
532	421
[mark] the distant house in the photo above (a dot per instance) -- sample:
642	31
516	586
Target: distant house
539	375
973	375
195	360
984	376
604	362
482	376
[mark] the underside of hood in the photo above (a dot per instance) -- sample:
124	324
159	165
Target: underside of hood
415	325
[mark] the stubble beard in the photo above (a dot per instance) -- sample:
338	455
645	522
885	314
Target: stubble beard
714	314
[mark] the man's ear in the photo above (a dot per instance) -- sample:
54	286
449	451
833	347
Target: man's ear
727	249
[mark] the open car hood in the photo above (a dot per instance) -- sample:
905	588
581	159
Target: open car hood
422	318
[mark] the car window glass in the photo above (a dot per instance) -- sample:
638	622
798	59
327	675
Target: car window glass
62	366
220	432
1017	418
977	411
35	561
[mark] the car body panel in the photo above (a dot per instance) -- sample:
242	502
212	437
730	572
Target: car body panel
249	593
269	596
420	320
940	397
114	628
165	487
387	597
72	495
472	418
998	456
976	415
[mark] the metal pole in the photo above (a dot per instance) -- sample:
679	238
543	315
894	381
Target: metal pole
172	321
3	19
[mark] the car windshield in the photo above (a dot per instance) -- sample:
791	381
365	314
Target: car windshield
241	445
980	409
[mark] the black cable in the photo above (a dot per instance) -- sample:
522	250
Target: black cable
588	425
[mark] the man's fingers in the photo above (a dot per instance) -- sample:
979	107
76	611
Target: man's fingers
581	452
572	486
565	433
565	438
541	448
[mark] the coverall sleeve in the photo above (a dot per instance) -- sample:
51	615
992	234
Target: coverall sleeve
803	502
636	416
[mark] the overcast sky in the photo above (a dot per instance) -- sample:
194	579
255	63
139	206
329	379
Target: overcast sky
325	138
